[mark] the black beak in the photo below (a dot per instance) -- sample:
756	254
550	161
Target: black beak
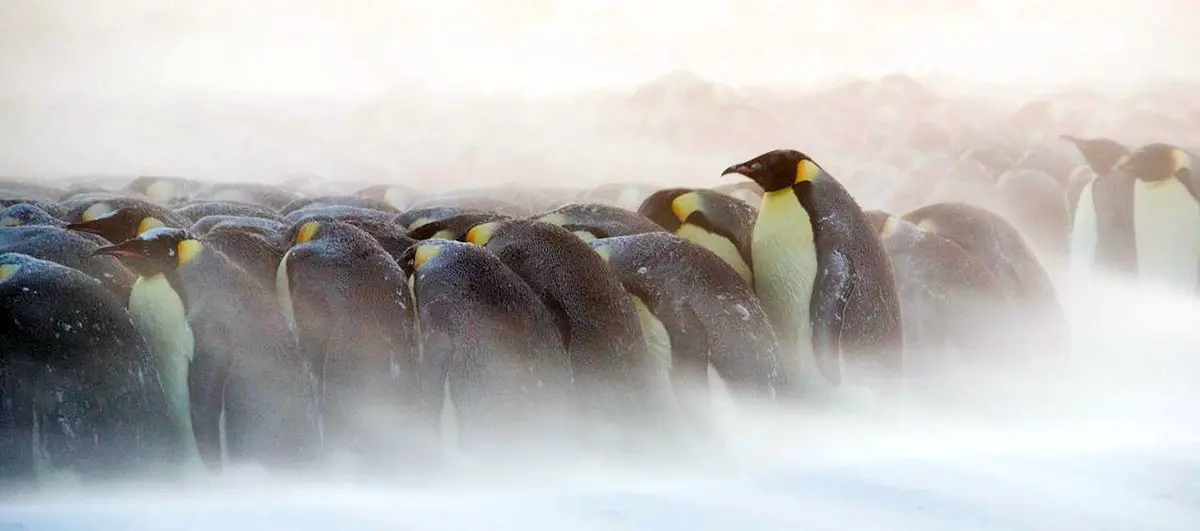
740	169
90	227
126	249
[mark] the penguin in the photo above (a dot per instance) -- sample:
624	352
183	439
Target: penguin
266	195
270	229
1037	205
348	304
1016	267
413	219
591	221
337	200
1143	219
229	364
696	312
454	227
79	390
71	249
87	207
396	195
948	298
389	236
337	212
196	210
1100	156
25	214
823	278
598	323
491	350
164	190
127	222
716	221
470	200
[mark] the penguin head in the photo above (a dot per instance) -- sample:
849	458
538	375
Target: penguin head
671	207
416	256
481	234
777	170
155	251
1157	162
1101	154
119	225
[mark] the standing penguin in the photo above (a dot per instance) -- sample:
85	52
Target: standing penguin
229	363
127	222
1100	155
822	276
79	389
598	323
347	301
490	347
718	222
1142	219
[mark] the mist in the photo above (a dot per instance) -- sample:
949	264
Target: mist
448	95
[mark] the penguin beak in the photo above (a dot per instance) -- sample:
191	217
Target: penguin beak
90	227
740	169
126	249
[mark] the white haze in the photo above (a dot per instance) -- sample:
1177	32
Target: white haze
396	90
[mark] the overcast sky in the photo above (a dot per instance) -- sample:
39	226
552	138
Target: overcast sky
347	46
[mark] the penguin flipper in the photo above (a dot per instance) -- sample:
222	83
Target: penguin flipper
832	289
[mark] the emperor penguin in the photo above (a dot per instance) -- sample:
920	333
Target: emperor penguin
823	278
1100	156
490	349
454	227
718	222
72	249
348	303
267	195
163	190
388	235
597	321
415	218
337	212
1142	219
229	365
337	200
127	222
397	195
25	214
591	221
196	210
696	313
79	390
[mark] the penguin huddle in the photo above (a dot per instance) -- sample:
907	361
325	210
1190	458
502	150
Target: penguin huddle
173	324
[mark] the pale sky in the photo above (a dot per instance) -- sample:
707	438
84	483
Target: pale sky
537	46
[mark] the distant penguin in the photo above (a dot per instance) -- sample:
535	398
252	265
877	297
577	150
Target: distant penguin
337	200
229	365
337	212
127	222
91	206
1012	261
592	221
948	298
717	222
1036	203
823	278
598	323
491	349
348	303
196	210
79	390
696	312
71	249
25	214
415	218
267	195
1100	155
454	227
270	229
1142	219
164	190
397	195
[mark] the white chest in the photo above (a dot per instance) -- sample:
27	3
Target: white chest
719	245
1167	227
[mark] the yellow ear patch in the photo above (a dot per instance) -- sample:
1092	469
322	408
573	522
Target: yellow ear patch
604	251
188	249
307	231
418	223
481	234
10	222
1183	161
684	205
928	225
424	254
8	270
97	210
149	223
160	191
806	170
889	227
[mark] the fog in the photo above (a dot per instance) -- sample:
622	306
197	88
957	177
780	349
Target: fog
444	95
